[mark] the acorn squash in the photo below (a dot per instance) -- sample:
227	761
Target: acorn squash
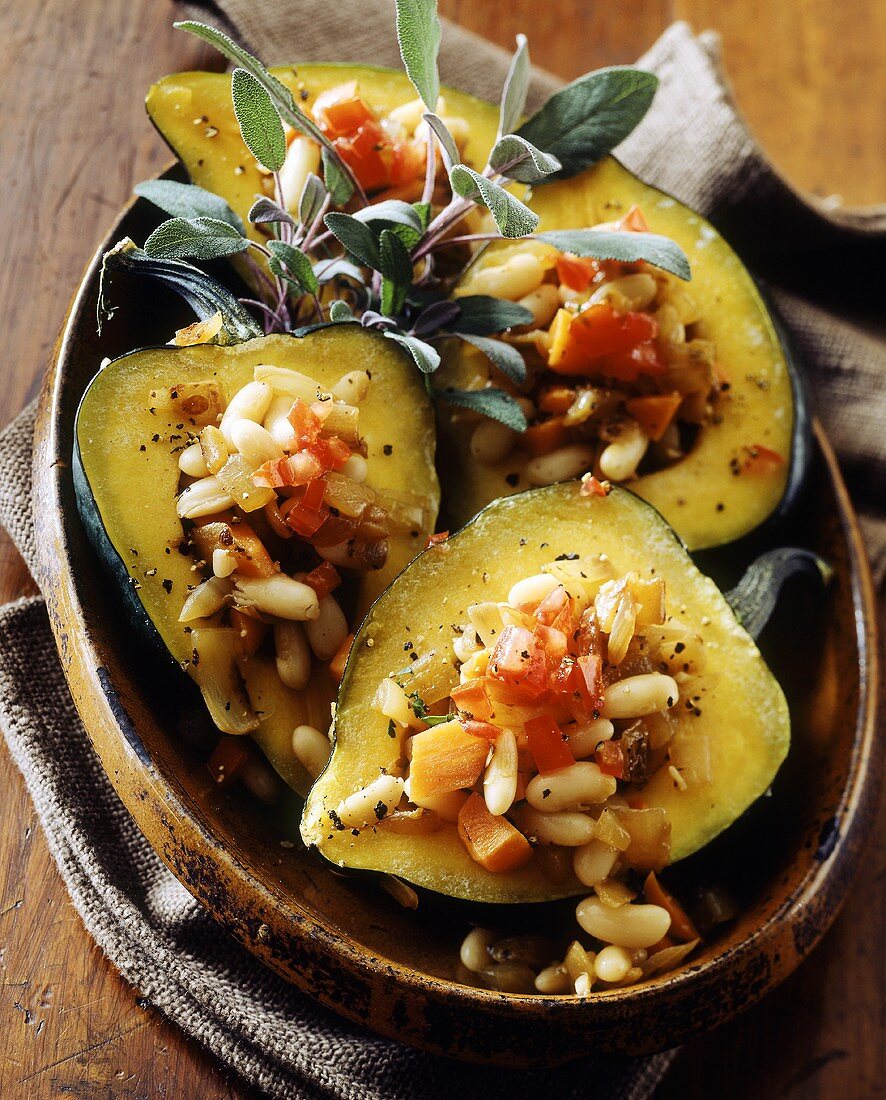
742	710
126	478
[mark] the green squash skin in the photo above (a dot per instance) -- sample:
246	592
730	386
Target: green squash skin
687	494
481	562
111	473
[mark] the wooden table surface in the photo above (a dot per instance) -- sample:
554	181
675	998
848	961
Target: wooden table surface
809	77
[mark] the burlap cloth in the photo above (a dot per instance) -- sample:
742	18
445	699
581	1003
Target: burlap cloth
693	144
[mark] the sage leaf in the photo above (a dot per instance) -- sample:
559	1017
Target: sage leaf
447	142
311	200
336	178
435	316
265	210
282	99
391	212
508	360
418	35
340	312
518	159
187	200
292	264
483	315
628	247
423	209
259	120
338	268
195	239
396	269
511	216
589	117
356	238
496	404
513	97
426	358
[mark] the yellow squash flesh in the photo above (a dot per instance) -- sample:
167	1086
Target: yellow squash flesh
743	712
129	459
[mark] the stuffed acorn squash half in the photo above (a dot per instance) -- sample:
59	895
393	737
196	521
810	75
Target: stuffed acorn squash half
683	391
252	501
549	698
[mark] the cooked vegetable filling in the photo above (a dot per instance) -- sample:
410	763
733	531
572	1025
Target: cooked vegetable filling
564	709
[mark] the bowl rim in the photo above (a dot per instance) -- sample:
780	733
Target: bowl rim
858	800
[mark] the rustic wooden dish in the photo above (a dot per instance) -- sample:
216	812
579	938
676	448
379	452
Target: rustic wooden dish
789	862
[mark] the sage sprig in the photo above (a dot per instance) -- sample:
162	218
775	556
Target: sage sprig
335	257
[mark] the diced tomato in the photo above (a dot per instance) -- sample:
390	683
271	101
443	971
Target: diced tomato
480	729
323	579
364	154
294	470
760	460
591	666
306	423
340	111
576	272
313	496
634	221
579	681
591	487
331	452
599	332
610	759
627	366
556	609
471	699
435	540
305	521
228	759
407	162
546	744
555	642
518	663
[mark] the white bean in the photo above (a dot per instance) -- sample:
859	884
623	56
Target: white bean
203	498
626	926
249	403
351	387
364	807
293	654
500	780
474	951
224	563
466	644
593	862
620	459
542	303
585	736
559	465
568	828
302	158
630	291
530	591
356	468
278	595
254	442
612	964
205	600
312	749
574	788
291	383
553	979
637	696
278	424
513	279
328	630
409	116
192	463
492	442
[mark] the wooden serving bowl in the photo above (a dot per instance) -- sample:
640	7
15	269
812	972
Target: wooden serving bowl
789	861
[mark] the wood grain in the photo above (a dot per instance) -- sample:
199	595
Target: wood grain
808	76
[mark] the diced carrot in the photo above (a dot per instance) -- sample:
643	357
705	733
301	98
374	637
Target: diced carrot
760	461
222	533
228	759
470	698
248	633
629	365
654	414
481	729
338	662
446	758
542	438
556	399
681	923
492	841
634	221
610	759
579	343
546	744
434	540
